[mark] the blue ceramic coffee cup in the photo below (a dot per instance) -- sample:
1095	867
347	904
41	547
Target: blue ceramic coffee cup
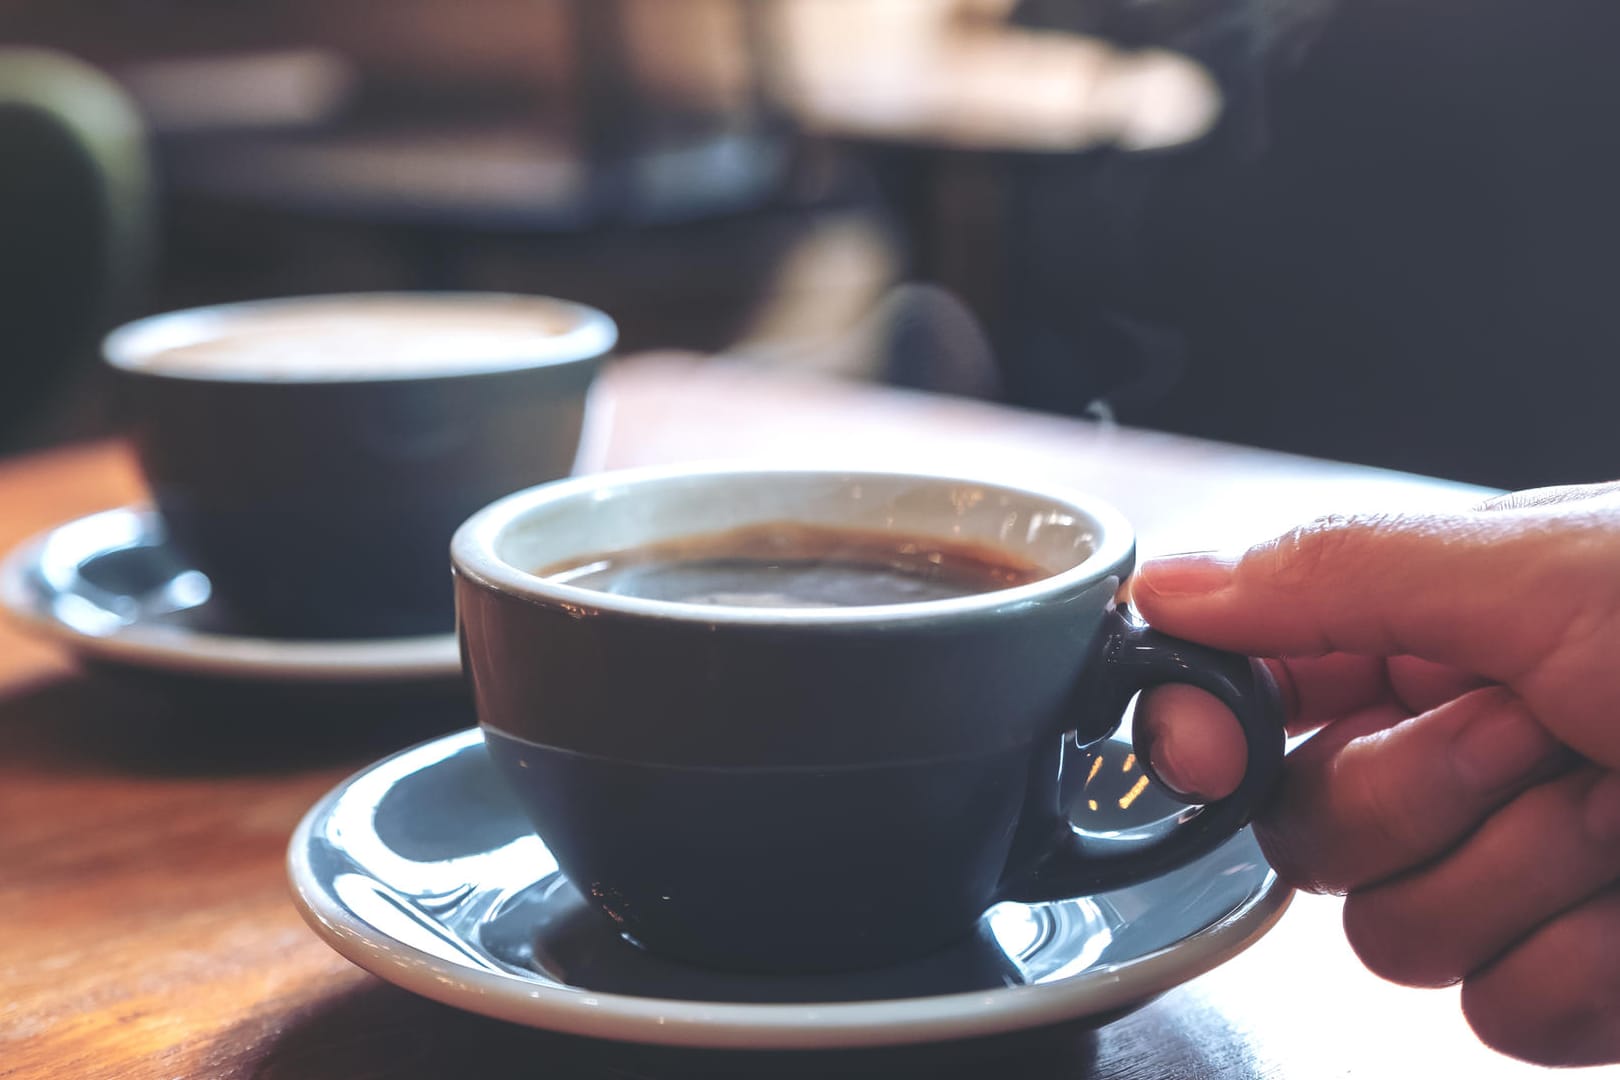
786	788
313	455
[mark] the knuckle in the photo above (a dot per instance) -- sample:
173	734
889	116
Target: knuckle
1302	555
1500	745
1345	821
1557	807
1322	549
1518	1025
1600	817
1381	814
1497	698
1290	857
1555	998
1395	946
1290	837
1586	624
1550	496
1370	938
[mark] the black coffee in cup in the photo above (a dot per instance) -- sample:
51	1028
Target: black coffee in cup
788	564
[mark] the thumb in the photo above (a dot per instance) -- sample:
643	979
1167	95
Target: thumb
1491	592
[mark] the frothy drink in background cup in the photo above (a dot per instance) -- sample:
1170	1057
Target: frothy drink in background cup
348	338
313	455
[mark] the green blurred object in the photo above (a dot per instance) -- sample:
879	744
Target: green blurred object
75	235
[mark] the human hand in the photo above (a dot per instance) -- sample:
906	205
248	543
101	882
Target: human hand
1462	675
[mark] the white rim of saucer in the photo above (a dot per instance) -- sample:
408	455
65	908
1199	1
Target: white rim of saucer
743	1025
473	549
190	652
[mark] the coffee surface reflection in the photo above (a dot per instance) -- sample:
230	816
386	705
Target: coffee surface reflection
788	564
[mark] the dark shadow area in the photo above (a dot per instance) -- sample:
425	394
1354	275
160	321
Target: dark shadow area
579	948
384	1031
137	722
1395	249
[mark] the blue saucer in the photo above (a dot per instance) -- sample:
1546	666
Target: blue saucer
110	589
422	871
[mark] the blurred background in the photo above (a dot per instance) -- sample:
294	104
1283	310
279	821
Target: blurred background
1376	230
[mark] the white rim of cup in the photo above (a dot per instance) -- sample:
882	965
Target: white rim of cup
473	551
592	335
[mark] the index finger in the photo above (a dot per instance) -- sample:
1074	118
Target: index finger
1488	592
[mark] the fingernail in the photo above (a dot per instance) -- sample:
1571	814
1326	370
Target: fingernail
1187	574
1503	747
1162	760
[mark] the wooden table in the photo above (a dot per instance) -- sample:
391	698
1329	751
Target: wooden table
145	926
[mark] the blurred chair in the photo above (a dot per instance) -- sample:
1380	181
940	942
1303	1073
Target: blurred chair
632	176
1010	150
75	229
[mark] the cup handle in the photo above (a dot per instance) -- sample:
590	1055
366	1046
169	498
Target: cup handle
1134	657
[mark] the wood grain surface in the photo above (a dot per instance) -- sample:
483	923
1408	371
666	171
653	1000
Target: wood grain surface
145	926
